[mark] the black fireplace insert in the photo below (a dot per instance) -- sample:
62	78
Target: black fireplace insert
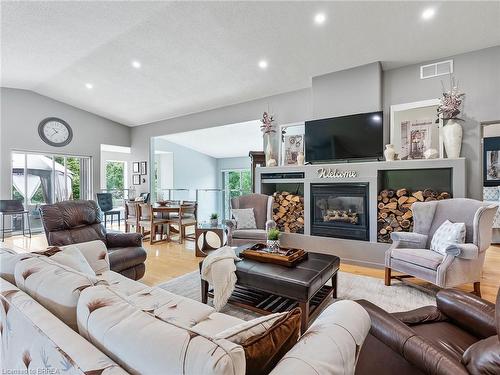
340	210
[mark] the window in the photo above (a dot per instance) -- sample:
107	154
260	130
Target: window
39	179
236	183
115	181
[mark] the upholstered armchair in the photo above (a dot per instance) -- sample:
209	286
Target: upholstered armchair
462	263
263	210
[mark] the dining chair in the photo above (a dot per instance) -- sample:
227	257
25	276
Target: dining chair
149	223
185	217
105	202
131	216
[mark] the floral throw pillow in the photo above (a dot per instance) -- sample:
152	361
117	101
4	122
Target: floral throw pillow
448	233
245	218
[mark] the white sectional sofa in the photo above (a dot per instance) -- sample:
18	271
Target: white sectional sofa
57	317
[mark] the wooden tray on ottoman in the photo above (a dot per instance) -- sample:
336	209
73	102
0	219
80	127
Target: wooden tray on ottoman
258	253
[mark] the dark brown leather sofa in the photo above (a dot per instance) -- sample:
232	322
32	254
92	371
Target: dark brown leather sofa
458	336
70	222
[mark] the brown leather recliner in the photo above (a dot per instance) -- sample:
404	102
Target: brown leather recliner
458	336
71	222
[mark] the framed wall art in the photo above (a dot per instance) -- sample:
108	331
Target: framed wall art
292	143
491	161
144	168
414	129
136	179
135	167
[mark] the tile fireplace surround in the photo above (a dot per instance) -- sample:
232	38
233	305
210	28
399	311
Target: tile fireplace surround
438	174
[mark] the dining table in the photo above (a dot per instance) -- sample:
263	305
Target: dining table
165	211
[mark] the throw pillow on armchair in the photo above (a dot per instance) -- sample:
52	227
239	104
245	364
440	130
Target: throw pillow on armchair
245	218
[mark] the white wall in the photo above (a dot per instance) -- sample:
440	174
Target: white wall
192	170
22	111
355	90
478	75
165	171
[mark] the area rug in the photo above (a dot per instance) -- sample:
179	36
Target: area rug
398	297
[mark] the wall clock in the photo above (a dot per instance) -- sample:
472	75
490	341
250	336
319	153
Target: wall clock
55	132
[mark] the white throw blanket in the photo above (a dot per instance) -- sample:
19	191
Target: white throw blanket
219	270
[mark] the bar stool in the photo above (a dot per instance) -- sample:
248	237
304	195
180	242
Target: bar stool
12	208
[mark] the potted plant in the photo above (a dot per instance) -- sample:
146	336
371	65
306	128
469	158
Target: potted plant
273	239
214	219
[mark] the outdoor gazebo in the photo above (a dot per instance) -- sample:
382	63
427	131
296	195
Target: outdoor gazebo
40	173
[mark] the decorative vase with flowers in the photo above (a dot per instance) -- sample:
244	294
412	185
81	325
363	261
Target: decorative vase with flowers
449	109
267	129
273	240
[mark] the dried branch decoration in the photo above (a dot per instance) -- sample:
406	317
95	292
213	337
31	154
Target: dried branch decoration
267	121
451	101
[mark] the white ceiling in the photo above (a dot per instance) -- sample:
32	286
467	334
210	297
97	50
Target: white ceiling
228	141
202	55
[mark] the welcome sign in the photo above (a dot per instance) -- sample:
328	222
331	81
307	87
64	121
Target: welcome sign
336	173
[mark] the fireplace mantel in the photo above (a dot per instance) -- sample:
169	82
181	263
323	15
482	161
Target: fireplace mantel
266	178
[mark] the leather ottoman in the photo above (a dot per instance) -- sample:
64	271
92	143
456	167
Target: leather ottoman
269	288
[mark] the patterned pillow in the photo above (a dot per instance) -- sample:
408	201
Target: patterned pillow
491	193
245	218
448	233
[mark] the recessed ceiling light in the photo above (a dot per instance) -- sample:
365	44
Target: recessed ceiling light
136	64
428	13
89	86
263	64
319	19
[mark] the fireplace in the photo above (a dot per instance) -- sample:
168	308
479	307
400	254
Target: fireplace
340	210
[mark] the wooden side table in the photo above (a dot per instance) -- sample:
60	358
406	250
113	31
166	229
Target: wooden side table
208	237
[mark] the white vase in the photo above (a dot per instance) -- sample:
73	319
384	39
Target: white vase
389	152
270	162
452	138
300	158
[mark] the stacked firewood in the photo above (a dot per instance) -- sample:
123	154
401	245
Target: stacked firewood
288	212
394	210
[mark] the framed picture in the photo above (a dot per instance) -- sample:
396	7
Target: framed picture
491	161
135	167
136	179
292	143
414	129
144	168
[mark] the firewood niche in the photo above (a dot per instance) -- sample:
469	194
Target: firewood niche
288	212
394	212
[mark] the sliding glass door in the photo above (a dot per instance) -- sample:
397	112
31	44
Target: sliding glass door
39	179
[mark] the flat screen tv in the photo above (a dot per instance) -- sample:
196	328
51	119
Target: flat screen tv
357	136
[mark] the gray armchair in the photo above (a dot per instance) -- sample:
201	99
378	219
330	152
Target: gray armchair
463	263
263	210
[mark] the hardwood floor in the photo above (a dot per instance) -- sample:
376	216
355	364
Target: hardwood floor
169	260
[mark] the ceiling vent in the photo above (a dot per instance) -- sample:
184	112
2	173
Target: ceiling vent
436	69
